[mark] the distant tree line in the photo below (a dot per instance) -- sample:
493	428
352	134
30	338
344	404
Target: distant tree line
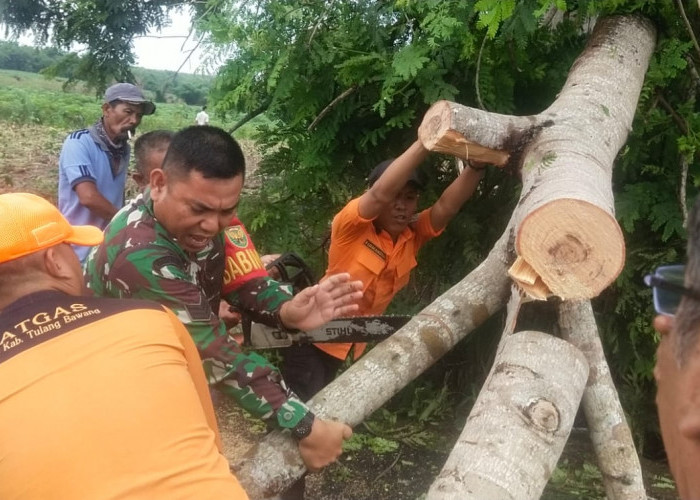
163	86
25	58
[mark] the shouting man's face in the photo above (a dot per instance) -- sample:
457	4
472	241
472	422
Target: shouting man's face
192	208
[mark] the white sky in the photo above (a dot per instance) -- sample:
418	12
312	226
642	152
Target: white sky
167	49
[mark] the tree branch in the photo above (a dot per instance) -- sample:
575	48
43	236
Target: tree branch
684	164
388	468
688	26
328	108
318	23
682	190
250	115
693	70
478	68
187	58
680	122
161	36
607	426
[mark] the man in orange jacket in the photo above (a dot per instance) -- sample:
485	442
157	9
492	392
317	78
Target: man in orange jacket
101	398
376	238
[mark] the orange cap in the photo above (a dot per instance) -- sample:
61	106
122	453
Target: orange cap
29	223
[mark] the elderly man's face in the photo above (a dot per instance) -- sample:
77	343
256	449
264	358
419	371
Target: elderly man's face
121	117
678	402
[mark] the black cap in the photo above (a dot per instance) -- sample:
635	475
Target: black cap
416	177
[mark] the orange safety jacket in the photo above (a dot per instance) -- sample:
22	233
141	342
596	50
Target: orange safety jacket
105	398
384	267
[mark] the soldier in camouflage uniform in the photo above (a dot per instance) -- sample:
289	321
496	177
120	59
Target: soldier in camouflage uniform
168	245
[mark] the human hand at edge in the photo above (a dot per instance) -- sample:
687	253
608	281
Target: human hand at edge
230	317
314	306
324	445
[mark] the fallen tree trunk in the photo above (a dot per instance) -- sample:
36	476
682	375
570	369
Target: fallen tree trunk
569	159
519	424
611	437
568	240
275	463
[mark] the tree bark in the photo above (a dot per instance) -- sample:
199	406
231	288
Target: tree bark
274	463
519	424
608	428
567	233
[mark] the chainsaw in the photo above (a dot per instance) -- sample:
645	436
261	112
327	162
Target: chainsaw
291	269
354	329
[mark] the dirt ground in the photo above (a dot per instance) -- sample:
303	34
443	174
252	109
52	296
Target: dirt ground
29	160
408	472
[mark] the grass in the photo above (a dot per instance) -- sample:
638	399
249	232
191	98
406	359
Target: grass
35	81
32	99
29	158
36	115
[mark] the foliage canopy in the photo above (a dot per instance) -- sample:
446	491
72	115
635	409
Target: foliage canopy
345	84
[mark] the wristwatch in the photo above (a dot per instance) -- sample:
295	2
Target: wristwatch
303	428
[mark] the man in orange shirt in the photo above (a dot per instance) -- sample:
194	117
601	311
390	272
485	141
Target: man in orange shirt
101	398
375	238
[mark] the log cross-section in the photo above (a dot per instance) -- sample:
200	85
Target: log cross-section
566	229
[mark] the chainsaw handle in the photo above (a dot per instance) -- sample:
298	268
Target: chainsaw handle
292	260
245	325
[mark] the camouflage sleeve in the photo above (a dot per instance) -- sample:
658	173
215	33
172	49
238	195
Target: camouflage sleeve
248	377
260	299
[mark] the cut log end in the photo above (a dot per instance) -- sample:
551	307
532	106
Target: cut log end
437	133
437	121
573	246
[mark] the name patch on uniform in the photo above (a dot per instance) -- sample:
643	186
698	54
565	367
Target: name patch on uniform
375	249
31	325
43	325
242	262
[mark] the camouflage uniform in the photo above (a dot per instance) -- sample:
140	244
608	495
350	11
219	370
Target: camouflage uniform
139	259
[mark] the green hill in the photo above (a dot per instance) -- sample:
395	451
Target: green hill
161	86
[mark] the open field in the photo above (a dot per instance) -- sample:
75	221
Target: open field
31	99
36	115
33	81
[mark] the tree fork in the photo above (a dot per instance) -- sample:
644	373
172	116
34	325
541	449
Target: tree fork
567	233
621	46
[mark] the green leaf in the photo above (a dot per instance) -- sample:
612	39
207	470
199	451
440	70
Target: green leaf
408	61
492	13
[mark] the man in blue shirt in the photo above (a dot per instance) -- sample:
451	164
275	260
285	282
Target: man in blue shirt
94	161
